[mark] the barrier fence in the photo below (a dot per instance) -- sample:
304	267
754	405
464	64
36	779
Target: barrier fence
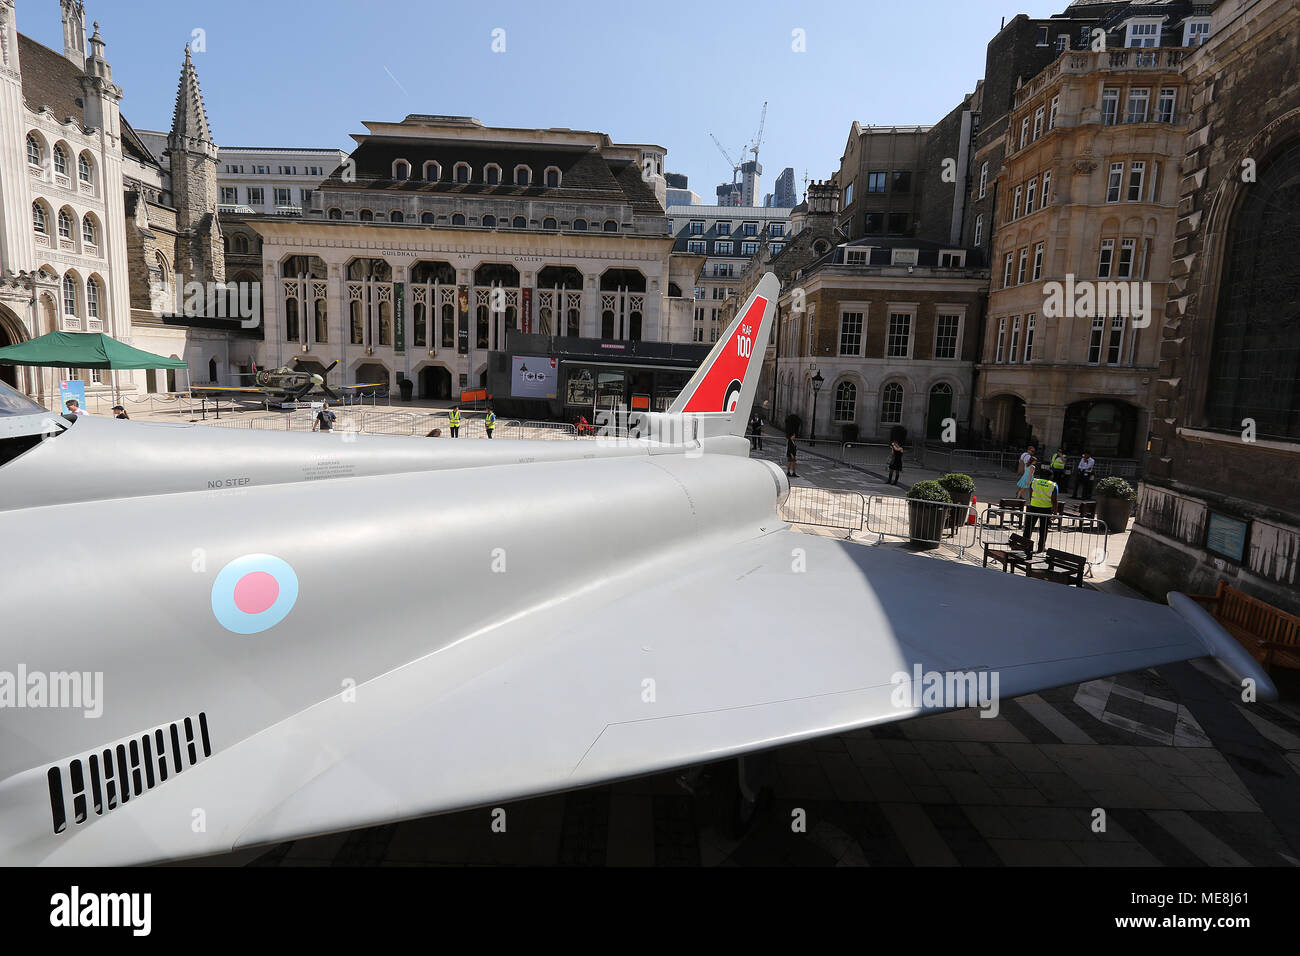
824	508
930	522
1086	537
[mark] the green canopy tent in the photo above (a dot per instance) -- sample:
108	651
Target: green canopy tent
83	350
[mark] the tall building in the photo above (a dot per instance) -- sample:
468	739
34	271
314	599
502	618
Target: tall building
678	192
879	179
784	194
1220	496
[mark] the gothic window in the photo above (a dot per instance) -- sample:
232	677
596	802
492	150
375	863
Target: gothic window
519	222
523	175
65	225
40	222
241	244
69	295
88	231
401	169
366	216
552	177
92	298
35	155
426	218
580	225
462	172
489	221
458	219
548	223
492	174
291	319
611	225
60	161
1256	346
395	216
83	169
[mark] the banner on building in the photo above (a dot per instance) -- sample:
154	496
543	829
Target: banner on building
462	324
528	312
72	388
399	314
533	376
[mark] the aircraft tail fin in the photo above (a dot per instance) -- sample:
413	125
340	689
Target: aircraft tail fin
721	392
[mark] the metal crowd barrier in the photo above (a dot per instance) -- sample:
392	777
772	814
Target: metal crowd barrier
824	508
932	522
1086	537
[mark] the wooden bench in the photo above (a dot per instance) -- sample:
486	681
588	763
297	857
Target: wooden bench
1010	513
1062	568
1269	633
1017	545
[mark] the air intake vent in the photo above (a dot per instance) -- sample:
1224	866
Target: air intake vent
106	778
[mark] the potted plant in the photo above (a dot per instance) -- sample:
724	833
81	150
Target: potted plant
1115	498
925	512
960	488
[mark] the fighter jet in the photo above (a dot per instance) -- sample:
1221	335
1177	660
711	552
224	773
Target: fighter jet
512	618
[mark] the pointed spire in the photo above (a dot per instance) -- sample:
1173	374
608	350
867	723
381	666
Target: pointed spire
190	121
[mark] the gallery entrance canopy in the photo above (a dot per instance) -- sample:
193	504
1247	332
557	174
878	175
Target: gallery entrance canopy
82	350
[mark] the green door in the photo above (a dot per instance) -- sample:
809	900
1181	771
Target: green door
940	408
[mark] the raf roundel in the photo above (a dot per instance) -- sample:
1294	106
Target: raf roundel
254	593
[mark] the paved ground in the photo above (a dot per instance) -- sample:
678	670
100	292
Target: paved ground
1160	767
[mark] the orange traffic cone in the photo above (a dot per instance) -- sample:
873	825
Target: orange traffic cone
970	518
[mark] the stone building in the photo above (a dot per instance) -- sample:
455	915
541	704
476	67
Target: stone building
1220	499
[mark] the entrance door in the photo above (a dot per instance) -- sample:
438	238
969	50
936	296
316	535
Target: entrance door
940	408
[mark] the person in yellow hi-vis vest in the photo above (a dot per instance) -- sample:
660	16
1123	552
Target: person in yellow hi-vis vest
453	421
490	422
1042	505
1058	468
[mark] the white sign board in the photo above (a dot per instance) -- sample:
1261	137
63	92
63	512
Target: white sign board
533	376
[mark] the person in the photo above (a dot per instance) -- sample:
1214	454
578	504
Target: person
490	422
1084	482
753	431
436	433
120	412
789	457
1024	461
758	430
324	419
453	421
74	407
1022	486
1058	467
895	462
1043	503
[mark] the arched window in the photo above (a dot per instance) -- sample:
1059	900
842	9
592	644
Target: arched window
846	402
366	215
92	298
490	221
396	216
891	404
580	225
69	295
1256	345
88	231
401	169
335	212
432	171
492	174
519	222
548	223
458	219
35	155
65	225
611	225
322	321
60	161
40	222
426	218
552	176
291	319
523	175
241	244
83	169
462	172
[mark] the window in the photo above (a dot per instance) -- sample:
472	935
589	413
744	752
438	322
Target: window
1046	196
984	179
229	195
69	295
846	402
902	181
1053	110
695	247
611	225
848	196
293	171
721	228
552	177
92	298
1137	105
1115	181
1015	204
1104	262
366	215
304	196
518	222
1115	346
335	212
255	196
1146	259
1039	115
432	171
241	244
1109	106
580	225
88	231
851	333
748	248
1031	191
1014	351
1038	261
426	218
776	230
34	155
947	330
396	216
898	343
777	247
1196	32
65	225
1126	248
1029	337
550	223
979	230
1062	43
1136	171
1143	35
749	229
1165	106
523	175
458	219
282	196
1000	354
876	182
401	170
1024	132
1094	340
1022	271
492	174
860	256
462	171
1007	265
1042	37
60	161
722	247
952	260
891	404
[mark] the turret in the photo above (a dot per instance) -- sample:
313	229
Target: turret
74	31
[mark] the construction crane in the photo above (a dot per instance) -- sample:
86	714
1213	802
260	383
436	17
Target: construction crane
735	166
762	122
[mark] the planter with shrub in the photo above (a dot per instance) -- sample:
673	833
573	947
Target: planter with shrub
925	512
1115	498
960	489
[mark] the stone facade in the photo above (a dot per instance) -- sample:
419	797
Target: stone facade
1243	132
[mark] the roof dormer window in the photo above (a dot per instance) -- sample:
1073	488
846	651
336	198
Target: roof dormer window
432	171
463	172
1143	33
523	176
492	174
1196	30
401	169
552	176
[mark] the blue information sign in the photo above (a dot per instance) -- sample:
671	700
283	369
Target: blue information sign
1227	537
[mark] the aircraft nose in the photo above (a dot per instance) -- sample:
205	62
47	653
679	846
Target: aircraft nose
317	380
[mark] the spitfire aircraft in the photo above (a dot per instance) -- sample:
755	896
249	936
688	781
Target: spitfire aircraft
282	386
518	618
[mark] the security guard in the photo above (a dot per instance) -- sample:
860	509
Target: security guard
1042	505
1058	467
453	421
490	422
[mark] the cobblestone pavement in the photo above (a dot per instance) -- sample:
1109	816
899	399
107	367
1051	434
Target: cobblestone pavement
1158	767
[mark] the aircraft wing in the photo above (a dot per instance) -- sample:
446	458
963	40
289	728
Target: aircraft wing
783	638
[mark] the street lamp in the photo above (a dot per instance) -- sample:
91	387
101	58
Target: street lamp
817	382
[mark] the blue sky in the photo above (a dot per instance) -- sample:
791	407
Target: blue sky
307	73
